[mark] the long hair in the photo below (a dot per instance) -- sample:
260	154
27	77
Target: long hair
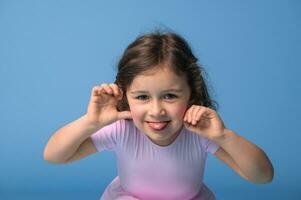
150	50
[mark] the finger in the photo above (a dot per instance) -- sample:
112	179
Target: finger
186	125
196	110
188	114
189	126
121	93
96	90
124	115
191	113
97	94
199	115
106	88
116	90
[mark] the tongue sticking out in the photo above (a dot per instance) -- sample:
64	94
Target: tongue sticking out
157	125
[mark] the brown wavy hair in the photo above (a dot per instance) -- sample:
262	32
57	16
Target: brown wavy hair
152	49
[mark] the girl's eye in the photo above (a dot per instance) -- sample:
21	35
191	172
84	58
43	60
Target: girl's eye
170	96
142	97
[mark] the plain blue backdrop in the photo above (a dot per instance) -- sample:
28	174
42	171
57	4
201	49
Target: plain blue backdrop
53	52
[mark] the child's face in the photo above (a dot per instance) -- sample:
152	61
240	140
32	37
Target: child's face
158	101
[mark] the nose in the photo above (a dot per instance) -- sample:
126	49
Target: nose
157	109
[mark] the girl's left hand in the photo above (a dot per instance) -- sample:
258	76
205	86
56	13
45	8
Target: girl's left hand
204	121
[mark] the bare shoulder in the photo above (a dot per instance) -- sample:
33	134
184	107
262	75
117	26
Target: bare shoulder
85	149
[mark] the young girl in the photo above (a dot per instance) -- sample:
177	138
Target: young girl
160	121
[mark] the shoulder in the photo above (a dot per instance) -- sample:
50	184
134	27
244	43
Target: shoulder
125	130
117	127
114	131
202	142
125	126
113	135
196	138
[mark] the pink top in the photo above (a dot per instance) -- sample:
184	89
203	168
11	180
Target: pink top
148	171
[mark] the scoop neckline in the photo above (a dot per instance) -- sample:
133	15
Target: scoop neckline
167	146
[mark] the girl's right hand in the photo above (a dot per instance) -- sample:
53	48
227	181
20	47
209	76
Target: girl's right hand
102	108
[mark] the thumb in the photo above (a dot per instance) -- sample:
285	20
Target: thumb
124	115
189	126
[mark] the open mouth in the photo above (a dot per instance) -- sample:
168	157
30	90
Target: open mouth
158	126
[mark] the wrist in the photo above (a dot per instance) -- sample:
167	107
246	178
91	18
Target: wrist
225	137
90	125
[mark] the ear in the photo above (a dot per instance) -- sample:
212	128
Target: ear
123	105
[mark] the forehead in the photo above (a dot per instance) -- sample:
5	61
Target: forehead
159	78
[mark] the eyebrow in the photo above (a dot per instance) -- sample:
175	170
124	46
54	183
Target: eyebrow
164	91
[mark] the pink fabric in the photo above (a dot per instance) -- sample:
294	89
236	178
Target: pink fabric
149	171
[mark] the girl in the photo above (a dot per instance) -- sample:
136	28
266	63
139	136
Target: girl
160	121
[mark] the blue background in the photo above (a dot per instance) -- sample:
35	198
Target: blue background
53	52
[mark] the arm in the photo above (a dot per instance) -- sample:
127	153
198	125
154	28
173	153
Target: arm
244	157
73	142
222	155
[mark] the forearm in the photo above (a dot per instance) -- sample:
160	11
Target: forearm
251	160
64	143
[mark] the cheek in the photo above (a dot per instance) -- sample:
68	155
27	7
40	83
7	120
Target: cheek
136	113
179	111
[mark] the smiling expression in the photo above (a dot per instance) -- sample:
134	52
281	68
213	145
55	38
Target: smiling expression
158	100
